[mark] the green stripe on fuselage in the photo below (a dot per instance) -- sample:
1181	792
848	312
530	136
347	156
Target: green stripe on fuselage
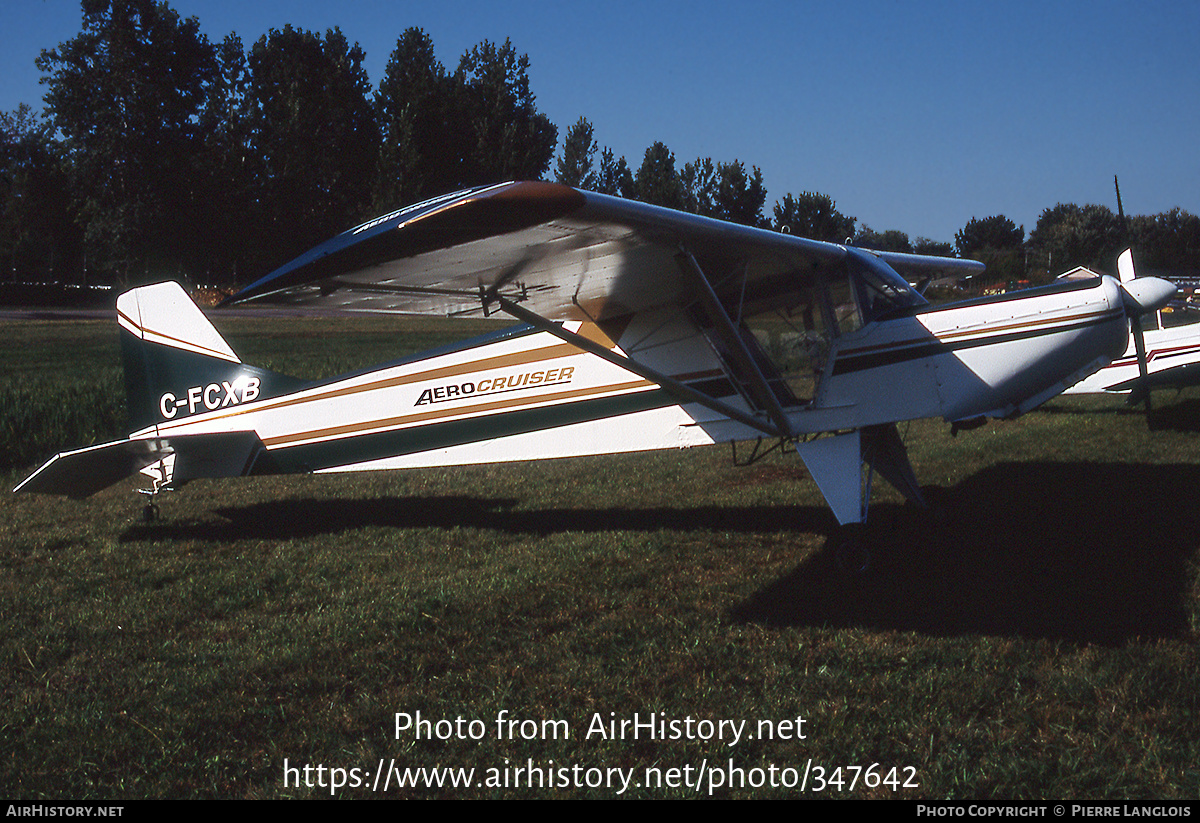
396	442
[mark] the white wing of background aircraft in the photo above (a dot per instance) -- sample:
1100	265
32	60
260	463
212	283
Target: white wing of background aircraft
646	328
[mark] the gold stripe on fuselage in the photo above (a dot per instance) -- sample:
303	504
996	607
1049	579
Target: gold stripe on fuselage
435	415
551	352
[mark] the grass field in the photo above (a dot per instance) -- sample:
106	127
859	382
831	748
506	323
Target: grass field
1037	641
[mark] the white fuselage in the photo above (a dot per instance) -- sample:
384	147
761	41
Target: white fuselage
531	395
994	357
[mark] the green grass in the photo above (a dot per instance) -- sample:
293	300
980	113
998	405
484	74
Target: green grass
1036	641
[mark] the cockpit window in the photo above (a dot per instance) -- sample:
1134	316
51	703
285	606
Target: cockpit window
795	327
881	291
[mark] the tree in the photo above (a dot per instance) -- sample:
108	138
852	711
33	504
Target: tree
890	240
657	182
699	181
997	233
126	94
740	196
614	178
579	150
924	245
511	139
996	242
440	132
225	240
1170	240
723	191
423	140
39	239
813	215
1069	235
314	137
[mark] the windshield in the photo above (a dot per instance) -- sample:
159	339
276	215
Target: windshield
881	291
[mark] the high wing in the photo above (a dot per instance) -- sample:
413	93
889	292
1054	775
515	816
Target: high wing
560	253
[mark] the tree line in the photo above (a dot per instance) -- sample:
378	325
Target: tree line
161	153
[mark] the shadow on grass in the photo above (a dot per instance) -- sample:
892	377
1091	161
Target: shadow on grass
1181	416
1076	551
309	518
1088	552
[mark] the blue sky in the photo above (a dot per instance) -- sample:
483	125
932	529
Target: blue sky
912	116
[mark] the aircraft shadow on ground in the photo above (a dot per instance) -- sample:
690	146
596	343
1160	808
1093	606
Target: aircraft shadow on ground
1086	552
1089	552
300	518
1180	416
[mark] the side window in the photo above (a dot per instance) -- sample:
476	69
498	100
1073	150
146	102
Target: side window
794	327
797	336
844	307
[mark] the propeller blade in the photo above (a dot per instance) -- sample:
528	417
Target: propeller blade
1141	295
1142	391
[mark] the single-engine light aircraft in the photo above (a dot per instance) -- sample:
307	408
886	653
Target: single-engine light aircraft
644	328
1157	356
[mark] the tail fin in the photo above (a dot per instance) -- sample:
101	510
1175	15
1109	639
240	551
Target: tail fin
177	364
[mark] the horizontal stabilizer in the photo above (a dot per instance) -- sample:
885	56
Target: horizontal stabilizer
83	472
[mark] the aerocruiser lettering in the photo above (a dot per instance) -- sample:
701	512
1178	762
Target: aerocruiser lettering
493	385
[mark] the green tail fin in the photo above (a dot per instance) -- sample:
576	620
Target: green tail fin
178	365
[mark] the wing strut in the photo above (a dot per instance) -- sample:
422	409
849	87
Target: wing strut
730	337
671	386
